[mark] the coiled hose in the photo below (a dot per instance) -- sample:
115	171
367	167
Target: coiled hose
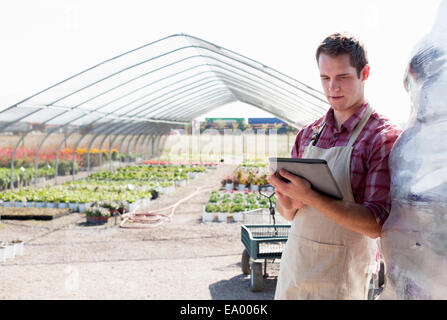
155	218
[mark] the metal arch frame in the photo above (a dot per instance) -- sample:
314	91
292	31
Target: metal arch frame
111	147
147	61
128	147
141	133
93	139
88	69
145	146
74	151
155	142
205	104
176	95
206	96
235	88
199	47
160	137
264	92
131	128
124	138
136	142
214	72
147	45
42	141
152	138
51	131
85	87
129	143
120	97
105	124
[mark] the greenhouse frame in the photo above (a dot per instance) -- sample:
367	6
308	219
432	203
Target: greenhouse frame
138	97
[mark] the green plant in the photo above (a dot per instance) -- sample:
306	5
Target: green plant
211	207
214	197
237	207
96	211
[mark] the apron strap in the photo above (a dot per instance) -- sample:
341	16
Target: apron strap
360	126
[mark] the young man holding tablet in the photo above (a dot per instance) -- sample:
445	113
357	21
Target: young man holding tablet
331	252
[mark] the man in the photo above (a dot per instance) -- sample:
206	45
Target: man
331	252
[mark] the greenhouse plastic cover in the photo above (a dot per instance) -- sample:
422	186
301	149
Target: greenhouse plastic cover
414	238
170	81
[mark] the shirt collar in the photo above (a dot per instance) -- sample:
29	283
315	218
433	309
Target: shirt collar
350	123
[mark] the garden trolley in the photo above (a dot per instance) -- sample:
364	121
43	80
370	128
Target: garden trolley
262	242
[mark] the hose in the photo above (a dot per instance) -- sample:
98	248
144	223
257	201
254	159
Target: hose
155	218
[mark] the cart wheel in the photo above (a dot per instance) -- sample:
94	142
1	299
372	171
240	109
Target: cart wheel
245	262
256	279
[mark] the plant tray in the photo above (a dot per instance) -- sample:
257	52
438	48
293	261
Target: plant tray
32	213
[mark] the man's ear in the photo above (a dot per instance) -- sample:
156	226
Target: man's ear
365	73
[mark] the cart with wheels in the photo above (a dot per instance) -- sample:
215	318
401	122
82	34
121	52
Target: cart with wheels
262	243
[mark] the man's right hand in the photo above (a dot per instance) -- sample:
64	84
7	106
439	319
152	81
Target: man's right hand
287	205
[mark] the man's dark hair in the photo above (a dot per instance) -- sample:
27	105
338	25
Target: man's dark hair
343	43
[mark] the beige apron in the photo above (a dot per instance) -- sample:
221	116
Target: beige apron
322	259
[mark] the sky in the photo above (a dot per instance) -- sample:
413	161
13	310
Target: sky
45	41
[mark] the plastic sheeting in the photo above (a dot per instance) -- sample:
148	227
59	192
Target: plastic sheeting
414	238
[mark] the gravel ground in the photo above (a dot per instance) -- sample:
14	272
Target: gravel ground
182	259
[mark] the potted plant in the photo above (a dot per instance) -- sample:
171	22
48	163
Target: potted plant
21	203
122	207
50	201
228	183
209	212
242	184
9	250
223	210
18	247
112	206
254	185
2	252
29	201
237	208
96	214
214	197
73	202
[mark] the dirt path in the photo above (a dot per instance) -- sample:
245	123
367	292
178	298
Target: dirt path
181	259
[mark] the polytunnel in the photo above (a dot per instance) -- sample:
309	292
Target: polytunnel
136	98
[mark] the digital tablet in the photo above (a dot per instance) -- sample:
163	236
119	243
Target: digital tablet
316	171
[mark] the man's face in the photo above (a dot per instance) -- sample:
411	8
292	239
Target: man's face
343	88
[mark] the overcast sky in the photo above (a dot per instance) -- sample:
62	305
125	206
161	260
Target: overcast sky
46	41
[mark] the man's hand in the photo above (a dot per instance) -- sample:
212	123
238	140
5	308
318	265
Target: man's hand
289	204
350	215
294	193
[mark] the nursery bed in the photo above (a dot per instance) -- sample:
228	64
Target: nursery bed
32	213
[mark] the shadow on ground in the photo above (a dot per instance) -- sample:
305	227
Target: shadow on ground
238	288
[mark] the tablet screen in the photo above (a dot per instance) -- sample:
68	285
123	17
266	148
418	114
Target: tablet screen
316	171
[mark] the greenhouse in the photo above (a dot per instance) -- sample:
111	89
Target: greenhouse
102	148
253	152
131	102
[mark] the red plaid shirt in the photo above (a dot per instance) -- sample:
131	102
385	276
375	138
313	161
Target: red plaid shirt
370	176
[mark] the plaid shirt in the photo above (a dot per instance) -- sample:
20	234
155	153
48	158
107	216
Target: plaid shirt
370	176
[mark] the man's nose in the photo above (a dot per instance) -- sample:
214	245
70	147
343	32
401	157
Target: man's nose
333	85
